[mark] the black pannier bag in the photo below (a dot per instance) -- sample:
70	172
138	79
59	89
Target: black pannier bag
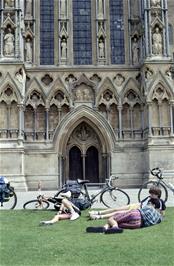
74	187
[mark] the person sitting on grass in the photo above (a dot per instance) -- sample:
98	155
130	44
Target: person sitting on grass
154	193
147	215
67	210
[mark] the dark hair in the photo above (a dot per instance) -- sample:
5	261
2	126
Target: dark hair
156	203
155	190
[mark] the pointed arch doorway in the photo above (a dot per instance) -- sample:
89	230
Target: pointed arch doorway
84	156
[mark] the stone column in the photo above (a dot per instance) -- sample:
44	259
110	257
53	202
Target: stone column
131	121
120	120
47	124
84	165
172	118
149	104
21	121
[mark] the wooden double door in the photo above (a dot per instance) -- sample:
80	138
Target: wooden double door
84	166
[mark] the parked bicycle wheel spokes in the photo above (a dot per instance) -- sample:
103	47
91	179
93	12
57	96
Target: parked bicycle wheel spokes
39	204
114	198
144	190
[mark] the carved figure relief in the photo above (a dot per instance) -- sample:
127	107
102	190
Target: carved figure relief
70	79
157	42
21	77
101	48
155	3
28	49
9	3
119	79
63	8
63	48
100	8
169	73
83	94
9	43
148	73
79	95
135	51
28	7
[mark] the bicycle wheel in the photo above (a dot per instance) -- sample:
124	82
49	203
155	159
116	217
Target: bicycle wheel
144	190
59	192
115	197
11	201
35	205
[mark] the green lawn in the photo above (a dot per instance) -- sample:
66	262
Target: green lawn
24	243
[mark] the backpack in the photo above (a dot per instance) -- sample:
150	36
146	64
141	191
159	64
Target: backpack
74	187
81	203
4	191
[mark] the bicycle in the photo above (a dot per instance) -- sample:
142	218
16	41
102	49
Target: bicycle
164	186
110	196
42	203
9	198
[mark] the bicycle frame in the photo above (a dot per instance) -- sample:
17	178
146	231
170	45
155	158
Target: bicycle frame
165	184
107	186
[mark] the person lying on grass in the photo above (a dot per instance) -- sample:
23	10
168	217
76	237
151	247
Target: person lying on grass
67	210
147	215
154	193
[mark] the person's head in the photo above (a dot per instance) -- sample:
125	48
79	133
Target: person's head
155	192
155	203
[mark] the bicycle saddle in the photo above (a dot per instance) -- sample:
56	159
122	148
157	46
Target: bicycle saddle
82	182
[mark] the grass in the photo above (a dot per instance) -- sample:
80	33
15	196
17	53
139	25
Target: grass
24	243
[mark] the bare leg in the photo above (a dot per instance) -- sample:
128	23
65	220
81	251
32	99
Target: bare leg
66	204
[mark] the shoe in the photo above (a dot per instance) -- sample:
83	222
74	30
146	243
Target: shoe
45	223
74	216
114	230
94	216
95	229
66	195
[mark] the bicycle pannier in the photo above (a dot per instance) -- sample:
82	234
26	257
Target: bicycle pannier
4	191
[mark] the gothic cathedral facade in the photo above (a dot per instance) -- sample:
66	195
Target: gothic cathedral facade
86	90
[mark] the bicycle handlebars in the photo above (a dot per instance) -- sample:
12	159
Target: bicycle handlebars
156	172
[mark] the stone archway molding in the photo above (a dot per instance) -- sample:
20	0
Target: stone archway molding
95	120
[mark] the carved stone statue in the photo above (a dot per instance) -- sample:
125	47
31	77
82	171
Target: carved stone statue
9	3
119	79
148	74
86	95
9	43
63	48
28	7
28	48
79	95
100	8
157	42
63	8
135	51
21	77
155	3
101	48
